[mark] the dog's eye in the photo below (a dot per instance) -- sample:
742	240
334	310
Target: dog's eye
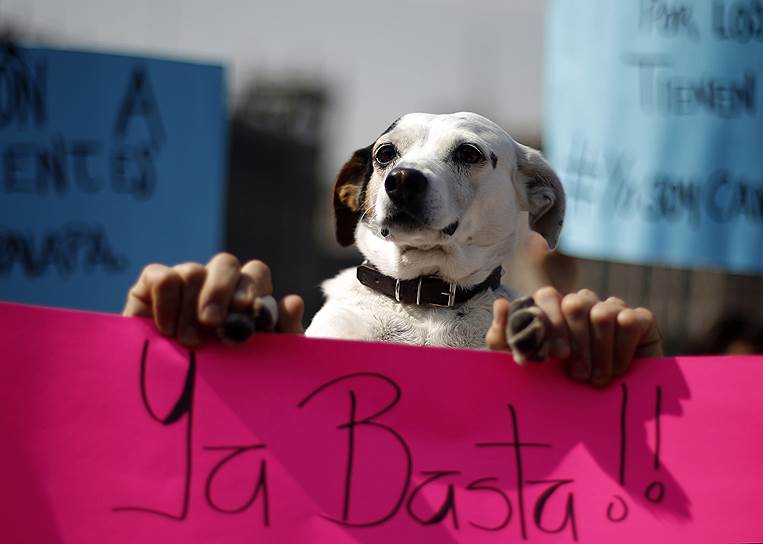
385	154
469	154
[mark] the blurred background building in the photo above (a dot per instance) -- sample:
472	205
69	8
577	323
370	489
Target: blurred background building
309	82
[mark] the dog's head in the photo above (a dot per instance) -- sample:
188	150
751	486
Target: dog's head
440	194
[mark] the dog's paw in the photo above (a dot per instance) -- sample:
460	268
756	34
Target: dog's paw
527	331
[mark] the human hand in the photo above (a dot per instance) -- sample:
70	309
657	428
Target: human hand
596	340
190	300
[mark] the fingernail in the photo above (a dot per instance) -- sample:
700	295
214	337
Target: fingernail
243	296
580	371
189	337
212	314
598	377
562	348
167	330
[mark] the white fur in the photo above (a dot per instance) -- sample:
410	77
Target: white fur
486	201
355	312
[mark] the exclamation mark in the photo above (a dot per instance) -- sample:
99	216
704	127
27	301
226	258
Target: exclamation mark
623	427
617	510
656	490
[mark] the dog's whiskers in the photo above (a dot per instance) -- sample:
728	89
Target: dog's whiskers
363	215
383	232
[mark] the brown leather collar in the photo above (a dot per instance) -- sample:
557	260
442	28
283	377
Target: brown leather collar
424	290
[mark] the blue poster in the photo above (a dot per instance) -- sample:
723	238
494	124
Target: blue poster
654	121
107	163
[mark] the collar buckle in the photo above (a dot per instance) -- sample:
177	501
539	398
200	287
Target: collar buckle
450	293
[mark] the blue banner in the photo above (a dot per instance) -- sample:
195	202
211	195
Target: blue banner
654	123
107	163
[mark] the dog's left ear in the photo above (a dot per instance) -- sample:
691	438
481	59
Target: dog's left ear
349	192
543	192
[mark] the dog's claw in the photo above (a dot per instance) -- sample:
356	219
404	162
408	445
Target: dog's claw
265	313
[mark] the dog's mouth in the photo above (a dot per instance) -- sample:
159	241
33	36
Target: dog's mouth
409	223
450	230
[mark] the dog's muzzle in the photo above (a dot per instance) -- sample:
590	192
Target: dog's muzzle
406	187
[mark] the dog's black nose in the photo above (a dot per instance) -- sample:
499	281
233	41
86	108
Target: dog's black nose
405	184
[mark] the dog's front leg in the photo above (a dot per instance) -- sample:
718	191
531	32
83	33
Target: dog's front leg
336	320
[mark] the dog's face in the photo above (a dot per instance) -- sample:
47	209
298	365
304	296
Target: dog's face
440	194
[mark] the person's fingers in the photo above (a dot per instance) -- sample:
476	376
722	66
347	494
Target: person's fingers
135	307
630	328
575	309
650	344
495	338
266	310
549	300
139	302
637	336
222	278
603	317
255	281
166	289
193	276
156	294
260	280
243	295
187	296
290	312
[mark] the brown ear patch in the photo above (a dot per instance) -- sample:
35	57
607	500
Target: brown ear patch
349	192
349	195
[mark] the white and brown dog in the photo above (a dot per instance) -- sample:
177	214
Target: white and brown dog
433	205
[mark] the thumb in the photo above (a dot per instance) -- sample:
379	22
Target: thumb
290	312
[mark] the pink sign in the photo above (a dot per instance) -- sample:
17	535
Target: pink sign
112	433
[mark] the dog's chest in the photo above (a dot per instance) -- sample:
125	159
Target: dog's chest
461	326
443	327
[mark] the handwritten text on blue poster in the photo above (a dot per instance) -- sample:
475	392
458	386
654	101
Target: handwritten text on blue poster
655	123
106	163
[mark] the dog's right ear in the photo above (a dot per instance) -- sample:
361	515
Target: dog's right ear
349	193
543	193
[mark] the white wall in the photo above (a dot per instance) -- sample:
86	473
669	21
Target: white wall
379	59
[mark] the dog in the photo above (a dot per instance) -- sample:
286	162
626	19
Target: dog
433	205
